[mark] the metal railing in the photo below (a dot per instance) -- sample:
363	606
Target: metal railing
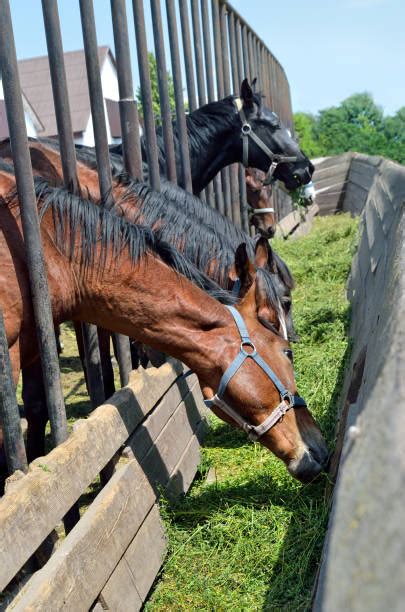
214	48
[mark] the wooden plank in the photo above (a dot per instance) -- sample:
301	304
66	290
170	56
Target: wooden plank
384	206
168	447
81	566
332	174
336	160
149	543
355	198
393	182
145	435
120	593
288	224
364	178
67	471
370	160
185	470
129	584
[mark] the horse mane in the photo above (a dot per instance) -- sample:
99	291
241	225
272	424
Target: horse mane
92	225
203	233
6	167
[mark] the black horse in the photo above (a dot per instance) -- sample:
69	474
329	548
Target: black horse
215	141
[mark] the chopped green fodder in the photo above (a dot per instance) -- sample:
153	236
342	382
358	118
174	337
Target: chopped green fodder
252	538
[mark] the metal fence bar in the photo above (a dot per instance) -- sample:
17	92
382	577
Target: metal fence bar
60	93
188	62
216	30
252	67
31	230
240	76
209	69
9	413
209	75
103	161
131	144
233	169
259	64
146	94
245	50
237	196
96	99
165	110
188	55
178	95
68	158
219	70
199	63
198	52
233	53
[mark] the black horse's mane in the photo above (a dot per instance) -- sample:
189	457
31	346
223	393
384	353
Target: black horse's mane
90	225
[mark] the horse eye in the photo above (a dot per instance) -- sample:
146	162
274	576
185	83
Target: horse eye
289	354
286	302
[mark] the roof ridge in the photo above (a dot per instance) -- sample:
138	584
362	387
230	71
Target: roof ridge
37	57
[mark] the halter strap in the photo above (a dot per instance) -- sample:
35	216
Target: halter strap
252	212
246	133
261	211
288	400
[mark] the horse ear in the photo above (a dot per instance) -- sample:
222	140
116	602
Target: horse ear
254	83
243	266
246	94
262	253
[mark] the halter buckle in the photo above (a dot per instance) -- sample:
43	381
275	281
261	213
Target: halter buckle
252	346
246	129
287	395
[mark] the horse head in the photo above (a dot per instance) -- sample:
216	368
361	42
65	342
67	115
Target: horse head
257	389
258	196
275	280
267	144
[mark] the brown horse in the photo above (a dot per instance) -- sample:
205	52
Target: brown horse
103	270
260	204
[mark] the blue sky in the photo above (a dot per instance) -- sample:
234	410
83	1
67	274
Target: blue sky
329	48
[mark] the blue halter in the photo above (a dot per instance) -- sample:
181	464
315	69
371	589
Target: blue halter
254	432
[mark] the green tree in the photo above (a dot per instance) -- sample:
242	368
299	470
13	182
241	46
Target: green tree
155	91
355	125
394	131
304	124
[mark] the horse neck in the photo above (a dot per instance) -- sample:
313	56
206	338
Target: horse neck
213	141
138	301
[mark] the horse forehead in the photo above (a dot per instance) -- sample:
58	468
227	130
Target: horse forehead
271	116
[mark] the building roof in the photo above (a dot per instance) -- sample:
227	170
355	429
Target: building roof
36	84
4	132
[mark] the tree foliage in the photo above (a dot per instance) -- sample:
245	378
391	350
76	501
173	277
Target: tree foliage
357	124
155	90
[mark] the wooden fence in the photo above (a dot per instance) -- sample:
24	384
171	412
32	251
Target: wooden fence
364	555
153	429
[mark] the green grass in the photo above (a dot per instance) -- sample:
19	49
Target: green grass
252	538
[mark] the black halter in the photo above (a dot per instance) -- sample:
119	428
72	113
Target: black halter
246	133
